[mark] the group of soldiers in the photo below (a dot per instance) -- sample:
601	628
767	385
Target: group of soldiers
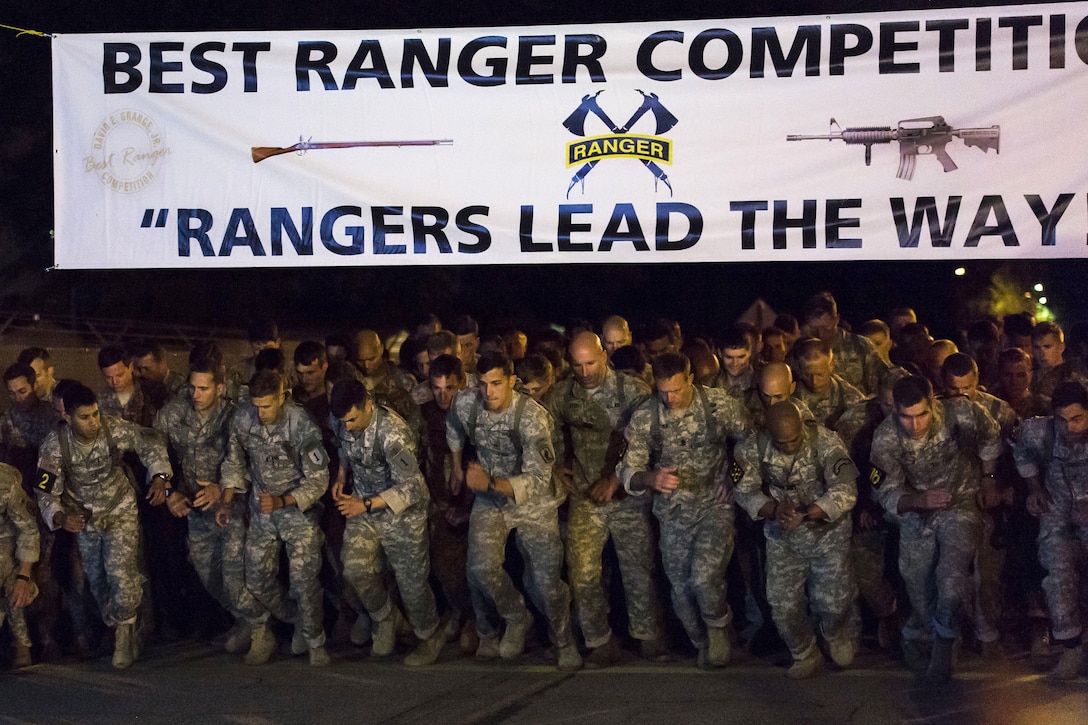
769	474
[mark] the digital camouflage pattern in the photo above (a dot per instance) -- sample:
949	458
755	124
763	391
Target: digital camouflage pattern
829	406
19	544
855	359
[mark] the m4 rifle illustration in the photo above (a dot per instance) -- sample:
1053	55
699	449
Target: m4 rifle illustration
916	136
260	153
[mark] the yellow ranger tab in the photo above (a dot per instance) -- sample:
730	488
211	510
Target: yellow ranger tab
876	476
596	148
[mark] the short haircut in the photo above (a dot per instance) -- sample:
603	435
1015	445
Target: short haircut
446	366
1012	356
630	359
209	364
1019	324
788	324
1047	328
309	352
206	350
339	370
338	340
982	331
143	348
890	377
265	382
271	358
464	325
30	354
812	348
62	386
262	329
110	355
668	364
534	367
19	370
658	329
819	304
735	336
77	396
1069	393
958	364
911	390
492	360
346	394
874	327
441	341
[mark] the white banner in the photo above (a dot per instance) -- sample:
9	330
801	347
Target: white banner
937	134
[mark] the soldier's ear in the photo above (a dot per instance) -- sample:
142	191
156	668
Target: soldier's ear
221	389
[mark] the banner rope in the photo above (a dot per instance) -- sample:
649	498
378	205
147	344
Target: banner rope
24	31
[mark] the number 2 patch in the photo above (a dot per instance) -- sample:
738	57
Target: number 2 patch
47	480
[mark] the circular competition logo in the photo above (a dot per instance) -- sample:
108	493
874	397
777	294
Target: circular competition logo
127	151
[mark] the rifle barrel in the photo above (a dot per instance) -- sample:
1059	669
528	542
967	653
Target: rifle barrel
260	153
813	137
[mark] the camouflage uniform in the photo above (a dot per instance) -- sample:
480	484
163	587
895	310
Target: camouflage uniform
829	406
145	401
855	359
383	463
591	424
22	431
520	450
746	382
93	482
200	445
940	543
696	529
18	545
284	458
815	554
448	517
1042	451
392	387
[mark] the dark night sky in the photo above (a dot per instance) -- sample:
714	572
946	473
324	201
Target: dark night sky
705	296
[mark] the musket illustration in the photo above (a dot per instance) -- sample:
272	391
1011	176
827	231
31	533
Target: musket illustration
260	153
926	136
576	122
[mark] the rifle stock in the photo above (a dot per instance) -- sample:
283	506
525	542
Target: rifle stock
260	153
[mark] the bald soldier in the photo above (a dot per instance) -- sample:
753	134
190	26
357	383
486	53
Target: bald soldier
774	385
825	392
389	385
615	333
591	409
799	477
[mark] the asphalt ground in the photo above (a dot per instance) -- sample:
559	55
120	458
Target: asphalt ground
190	682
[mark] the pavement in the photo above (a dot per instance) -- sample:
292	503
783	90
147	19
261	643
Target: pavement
191	682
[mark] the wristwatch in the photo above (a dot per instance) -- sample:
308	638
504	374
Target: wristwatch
367	503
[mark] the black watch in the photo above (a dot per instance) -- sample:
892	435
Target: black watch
367	503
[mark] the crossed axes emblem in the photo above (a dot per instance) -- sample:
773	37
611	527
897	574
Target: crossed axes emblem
576	123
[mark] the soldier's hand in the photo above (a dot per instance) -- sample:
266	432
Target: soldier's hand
73	522
349	506
725	491
270	503
604	489
20	594
664	480
866	520
209	495
178	505
156	493
566	477
1038	503
988	496
222	516
934	498
476	477
815	513
336	490
457	481
788	517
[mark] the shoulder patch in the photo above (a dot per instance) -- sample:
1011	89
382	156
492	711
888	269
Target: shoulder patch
46	480
546	452
402	461
876	476
736	472
315	456
840	464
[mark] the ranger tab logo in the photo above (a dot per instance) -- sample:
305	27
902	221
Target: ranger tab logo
618	142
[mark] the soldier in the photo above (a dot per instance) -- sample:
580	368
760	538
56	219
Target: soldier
448	518
149	362
855	357
136	401
933	460
310	368
591	410
737	376
536	376
25	424
275	445
799	478
1051	367
878	333
83	488
677	449
823	392
512	481
19	548
615	333
44	373
389	385
387	515
468	335
1052	457
197	430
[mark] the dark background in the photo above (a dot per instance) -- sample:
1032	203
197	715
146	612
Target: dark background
704	296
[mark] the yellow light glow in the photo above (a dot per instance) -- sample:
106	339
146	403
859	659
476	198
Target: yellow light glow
960	271
1038	286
